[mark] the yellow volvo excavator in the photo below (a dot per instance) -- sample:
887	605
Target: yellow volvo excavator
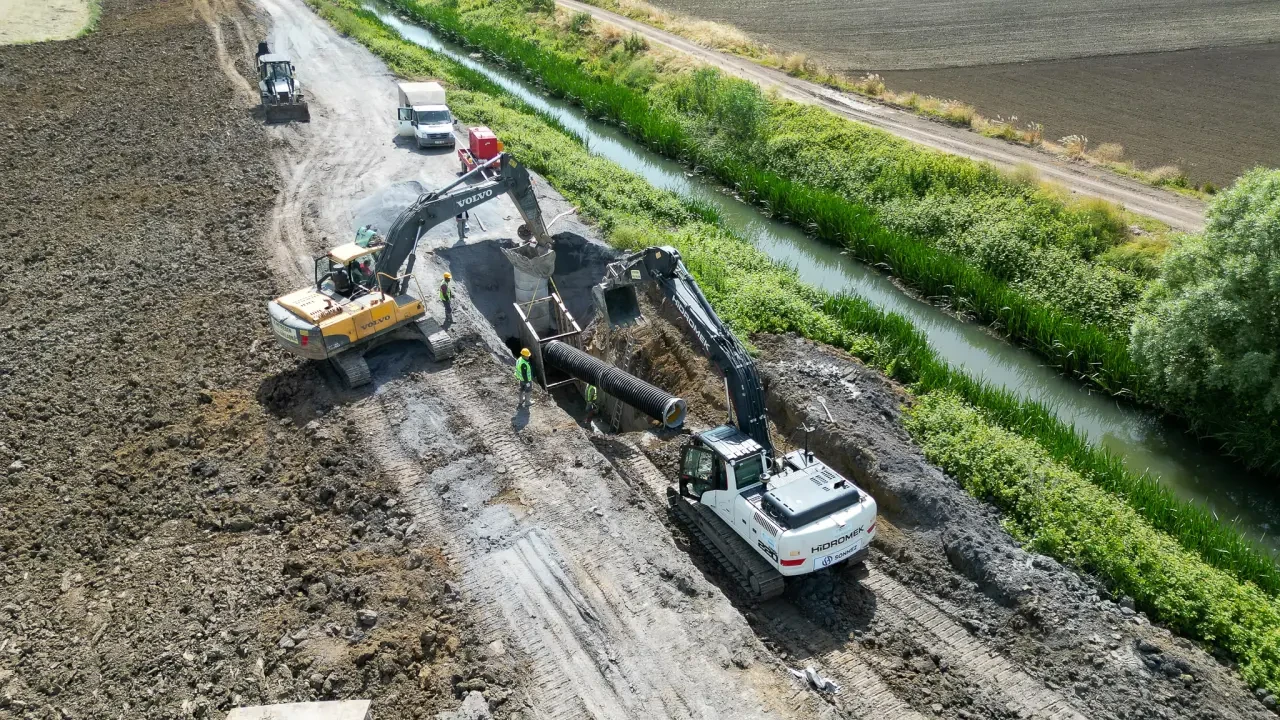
361	298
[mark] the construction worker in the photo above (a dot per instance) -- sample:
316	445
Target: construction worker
524	373
591	402
446	297
462	226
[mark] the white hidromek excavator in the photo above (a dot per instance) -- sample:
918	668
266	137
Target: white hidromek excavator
762	516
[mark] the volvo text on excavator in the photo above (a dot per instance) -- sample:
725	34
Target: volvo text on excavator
361	295
763	516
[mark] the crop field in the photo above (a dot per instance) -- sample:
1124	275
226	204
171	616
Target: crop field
906	34
1185	82
1212	111
24	21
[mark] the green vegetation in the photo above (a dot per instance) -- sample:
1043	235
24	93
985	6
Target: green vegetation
95	16
1058	513
1060	276
951	228
754	294
1209	335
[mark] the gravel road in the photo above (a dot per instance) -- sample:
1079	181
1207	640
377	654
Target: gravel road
1172	209
191	520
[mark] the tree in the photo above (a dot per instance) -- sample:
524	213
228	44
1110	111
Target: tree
1208	334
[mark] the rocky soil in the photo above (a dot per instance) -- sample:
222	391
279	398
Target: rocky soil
187	520
1063	627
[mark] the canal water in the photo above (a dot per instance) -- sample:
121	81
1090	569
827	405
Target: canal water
1141	439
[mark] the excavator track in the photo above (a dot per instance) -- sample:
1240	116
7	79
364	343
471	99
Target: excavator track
352	367
439	343
754	577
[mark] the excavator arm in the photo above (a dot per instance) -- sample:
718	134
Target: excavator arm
500	175
662	265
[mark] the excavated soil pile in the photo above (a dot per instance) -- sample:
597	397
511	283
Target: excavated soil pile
1064	628
186	524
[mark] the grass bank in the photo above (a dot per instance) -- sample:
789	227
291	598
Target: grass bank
1061	277
729	39
998	249
754	294
1057	512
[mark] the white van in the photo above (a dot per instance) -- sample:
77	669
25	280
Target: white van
423	115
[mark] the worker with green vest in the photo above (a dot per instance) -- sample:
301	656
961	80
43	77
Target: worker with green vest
446	297
524	373
591	402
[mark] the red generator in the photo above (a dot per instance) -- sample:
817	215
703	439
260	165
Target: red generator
482	145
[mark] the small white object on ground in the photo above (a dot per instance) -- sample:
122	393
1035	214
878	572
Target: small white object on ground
816	680
337	710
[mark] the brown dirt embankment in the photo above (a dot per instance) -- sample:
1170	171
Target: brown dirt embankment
186	523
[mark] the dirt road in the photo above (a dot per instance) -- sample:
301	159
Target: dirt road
610	627
191	520
559	538
1175	210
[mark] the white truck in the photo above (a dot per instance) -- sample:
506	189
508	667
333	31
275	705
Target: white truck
423	115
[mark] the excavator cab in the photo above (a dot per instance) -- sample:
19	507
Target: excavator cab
347	272
720	459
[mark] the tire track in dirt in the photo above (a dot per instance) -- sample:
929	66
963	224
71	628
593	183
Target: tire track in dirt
551	578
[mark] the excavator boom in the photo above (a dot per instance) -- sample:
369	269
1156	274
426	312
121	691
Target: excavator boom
500	175
662	265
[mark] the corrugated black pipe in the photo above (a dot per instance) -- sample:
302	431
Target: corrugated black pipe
657	404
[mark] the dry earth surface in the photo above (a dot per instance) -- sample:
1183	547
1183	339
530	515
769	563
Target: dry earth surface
175	537
1215	112
905	34
190	519
24	21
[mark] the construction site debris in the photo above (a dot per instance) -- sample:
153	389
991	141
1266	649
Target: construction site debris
815	680
336	710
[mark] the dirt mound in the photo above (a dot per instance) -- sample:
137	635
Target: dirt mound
186	523
1063	627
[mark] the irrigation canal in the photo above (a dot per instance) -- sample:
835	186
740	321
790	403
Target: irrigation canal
1142	439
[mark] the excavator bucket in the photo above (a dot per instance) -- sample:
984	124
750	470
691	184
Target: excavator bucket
286	112
621	306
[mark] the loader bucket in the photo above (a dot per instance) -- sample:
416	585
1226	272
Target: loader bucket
286	112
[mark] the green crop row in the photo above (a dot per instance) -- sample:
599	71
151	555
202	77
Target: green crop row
754	294
1058	513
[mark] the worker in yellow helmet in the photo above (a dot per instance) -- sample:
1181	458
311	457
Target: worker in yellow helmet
446	297
524	373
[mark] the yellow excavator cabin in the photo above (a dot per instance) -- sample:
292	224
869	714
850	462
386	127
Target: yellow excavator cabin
343	307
